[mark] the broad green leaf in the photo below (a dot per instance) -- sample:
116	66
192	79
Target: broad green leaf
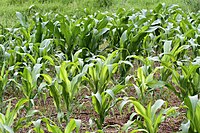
139	108
72	125
110	92
191	102
122	104
49	59
36	72
8	128
98	97
167	46
53	129
185	127
102	24
47	78
154	108
123	39
197	117
158	8
127	126
22	19
31	58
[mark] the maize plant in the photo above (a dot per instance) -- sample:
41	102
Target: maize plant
30	79
193	105
101	71
152	116
7	120
73	125
64	88
103	102
3	81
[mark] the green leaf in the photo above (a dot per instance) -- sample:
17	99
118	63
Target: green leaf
99	98
31	58
72	125
102	24
27	75
110	92
127	126
22	19
185	127
36	72
139	108
139	130
154	108
158	8
118	88
197	117
191	103
167	46
8	128
49	59
10	116
123	39
47	78
152	29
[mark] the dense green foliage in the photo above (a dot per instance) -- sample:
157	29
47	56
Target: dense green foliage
109	55
76	7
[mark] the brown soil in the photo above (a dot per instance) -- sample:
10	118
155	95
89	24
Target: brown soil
113	122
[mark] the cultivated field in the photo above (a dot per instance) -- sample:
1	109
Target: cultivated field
76	7
120	70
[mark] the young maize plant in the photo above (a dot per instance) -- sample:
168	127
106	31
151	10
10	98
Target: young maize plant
72	126
7	120
193	115
152	115
64	87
